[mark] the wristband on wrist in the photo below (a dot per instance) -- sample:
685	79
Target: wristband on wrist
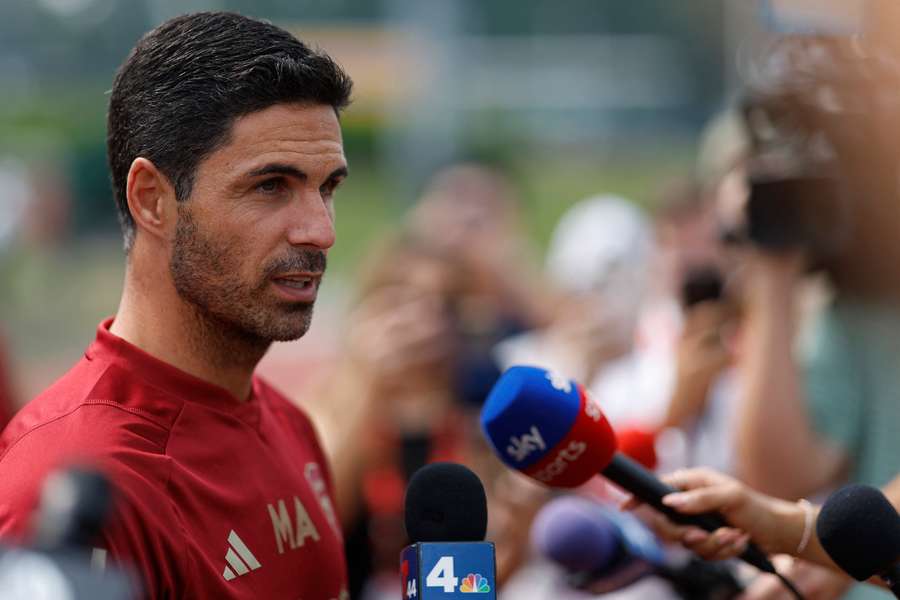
808	518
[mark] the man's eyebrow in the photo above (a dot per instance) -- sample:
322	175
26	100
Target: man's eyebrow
339	172
277	169
281	169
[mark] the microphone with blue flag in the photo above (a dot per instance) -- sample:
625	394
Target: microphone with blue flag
446	519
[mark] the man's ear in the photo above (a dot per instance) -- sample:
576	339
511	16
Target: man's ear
151	199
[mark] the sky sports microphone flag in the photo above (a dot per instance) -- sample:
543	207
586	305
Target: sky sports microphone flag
549	428
540	423
446	519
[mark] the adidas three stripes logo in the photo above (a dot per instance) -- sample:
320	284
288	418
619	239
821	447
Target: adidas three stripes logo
240	560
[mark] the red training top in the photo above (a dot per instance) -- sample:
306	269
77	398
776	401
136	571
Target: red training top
216	498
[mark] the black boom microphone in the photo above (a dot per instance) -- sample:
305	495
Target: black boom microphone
860	531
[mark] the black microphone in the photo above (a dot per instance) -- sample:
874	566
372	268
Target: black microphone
75	504
445	502
860	530
446	519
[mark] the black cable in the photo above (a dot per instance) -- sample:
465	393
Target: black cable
790	586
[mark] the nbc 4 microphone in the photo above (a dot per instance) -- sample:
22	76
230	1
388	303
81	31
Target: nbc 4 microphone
860	531
446	519
548	427
603	550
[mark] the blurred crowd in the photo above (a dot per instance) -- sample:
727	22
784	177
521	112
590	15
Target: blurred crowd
748	322
738	323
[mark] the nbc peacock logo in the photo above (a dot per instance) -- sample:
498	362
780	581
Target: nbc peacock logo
474	583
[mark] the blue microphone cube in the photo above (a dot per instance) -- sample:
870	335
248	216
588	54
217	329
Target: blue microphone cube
448	570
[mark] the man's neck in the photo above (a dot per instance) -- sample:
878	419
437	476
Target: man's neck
153	317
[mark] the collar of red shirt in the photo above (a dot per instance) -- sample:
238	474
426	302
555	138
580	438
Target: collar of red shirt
169	378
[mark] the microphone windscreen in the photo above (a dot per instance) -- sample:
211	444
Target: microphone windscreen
548	427
445	502
639	445
575	534
75	505
860	530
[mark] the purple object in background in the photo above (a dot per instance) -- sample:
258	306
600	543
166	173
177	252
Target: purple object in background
575	533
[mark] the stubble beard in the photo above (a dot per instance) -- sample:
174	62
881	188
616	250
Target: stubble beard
233	315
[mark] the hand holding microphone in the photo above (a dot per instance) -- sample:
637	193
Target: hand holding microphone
776	526
549	428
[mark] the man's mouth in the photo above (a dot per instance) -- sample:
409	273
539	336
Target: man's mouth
296	282
298	286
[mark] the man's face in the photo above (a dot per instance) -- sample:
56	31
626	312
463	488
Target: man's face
252	239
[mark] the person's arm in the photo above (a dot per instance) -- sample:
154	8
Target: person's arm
702	356
776	526
345	409
393	338
779	451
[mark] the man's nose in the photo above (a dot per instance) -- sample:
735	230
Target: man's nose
312	223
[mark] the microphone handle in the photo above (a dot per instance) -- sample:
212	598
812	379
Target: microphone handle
646	487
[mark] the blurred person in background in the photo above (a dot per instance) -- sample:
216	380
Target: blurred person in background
599	260
14	195
225	151
415	364
693	275
47	219
818	193
7	402
473	211
398	402
393	400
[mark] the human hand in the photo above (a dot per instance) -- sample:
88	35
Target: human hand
774	525
398	335
701	355
588	332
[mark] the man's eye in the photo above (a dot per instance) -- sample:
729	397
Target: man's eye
270	186
329	188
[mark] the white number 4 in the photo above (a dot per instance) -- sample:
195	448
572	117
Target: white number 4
411	588
442	575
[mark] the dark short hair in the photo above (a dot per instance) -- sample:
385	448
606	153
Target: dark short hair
176	96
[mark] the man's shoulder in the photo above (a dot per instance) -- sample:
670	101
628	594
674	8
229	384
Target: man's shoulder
94	411
79	422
